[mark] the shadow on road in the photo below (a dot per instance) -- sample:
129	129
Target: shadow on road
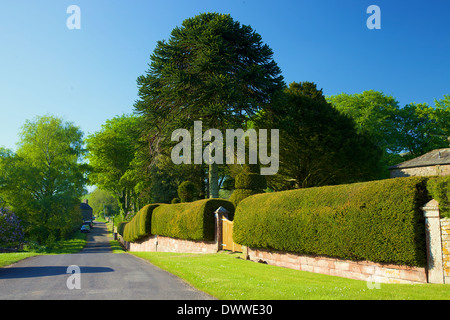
97	242
45	271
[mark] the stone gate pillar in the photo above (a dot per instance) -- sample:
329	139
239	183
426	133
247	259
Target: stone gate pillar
434	242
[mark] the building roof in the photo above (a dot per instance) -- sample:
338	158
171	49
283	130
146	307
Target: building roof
85	206
432	158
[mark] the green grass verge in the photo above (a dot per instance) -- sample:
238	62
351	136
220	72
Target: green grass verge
227	277
10	258
73	245
116	247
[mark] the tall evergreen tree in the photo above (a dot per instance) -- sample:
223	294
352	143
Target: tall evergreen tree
212	69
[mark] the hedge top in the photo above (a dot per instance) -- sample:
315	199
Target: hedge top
189	220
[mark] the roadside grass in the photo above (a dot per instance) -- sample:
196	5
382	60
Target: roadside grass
116	247
115	244
73	245
227	277
13	257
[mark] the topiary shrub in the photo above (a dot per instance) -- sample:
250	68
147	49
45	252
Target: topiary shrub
187	191
247	184
379	221
251	181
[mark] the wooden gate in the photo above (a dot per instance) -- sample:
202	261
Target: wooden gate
227	236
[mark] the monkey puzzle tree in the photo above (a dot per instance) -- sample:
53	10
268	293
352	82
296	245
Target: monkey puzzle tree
212	69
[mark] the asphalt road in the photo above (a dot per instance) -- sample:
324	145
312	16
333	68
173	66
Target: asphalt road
103	275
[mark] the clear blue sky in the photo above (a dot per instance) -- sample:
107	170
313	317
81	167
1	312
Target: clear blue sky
89	75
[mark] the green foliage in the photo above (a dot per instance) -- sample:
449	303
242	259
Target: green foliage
414	129
114	158
379	221
225	65
175	200
187	192
247	184
373	113
190	220
250	181
140	225
420	128
439	188
318	145
44	180
165	177
101	200
121	227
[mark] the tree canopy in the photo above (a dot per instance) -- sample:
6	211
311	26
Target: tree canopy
318	145
43	181
402	132
113	158
212	69
103	203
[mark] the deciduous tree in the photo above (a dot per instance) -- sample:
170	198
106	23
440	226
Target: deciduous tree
402	132
318	145
44	179
112	157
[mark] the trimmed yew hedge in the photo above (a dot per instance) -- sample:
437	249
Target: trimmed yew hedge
380	221
189	220
140	225
121	227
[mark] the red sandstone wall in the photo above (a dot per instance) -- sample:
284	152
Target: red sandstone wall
359	270
154	243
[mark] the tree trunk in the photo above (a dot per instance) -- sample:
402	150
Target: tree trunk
213	180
